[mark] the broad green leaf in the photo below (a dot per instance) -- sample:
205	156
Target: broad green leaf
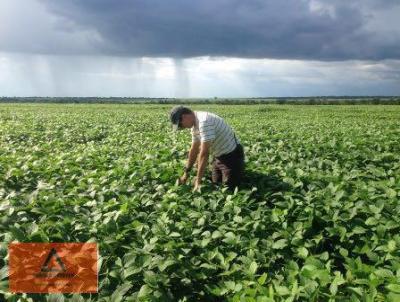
394	288
118	294
144	291
261	280
303	252
253	268
279	244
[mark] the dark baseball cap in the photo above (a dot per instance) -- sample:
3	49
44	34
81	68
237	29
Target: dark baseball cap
176	115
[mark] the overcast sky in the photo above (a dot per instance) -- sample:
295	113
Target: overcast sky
205	48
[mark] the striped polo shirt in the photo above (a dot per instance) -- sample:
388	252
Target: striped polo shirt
211	127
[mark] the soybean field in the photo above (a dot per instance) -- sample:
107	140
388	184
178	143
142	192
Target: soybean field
316	219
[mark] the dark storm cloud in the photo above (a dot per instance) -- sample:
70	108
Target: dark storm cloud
291	29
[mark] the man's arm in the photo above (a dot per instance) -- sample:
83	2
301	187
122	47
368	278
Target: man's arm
193	152
203	160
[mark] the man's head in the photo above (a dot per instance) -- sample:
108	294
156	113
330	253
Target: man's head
182	117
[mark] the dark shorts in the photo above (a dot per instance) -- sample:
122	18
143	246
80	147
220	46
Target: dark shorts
229	168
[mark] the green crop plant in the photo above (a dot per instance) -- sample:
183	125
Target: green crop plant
317	218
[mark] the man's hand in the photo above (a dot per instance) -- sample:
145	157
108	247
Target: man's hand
197	185
182	180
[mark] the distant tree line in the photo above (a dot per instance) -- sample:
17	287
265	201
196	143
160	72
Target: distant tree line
322	100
